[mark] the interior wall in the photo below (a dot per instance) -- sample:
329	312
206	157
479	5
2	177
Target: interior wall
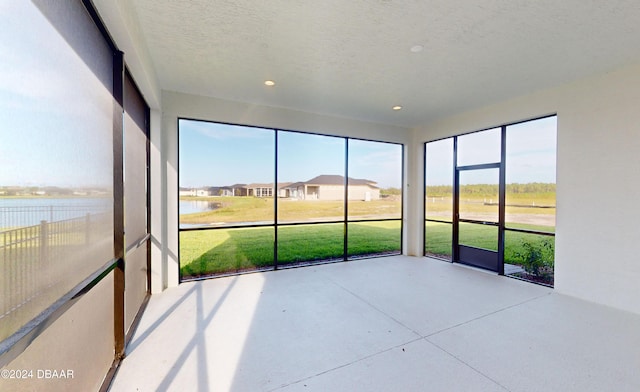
598	161
175	105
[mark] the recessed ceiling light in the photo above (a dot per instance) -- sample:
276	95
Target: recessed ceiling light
416	48
269	83
397	107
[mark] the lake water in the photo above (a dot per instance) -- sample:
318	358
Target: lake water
193	206
16	212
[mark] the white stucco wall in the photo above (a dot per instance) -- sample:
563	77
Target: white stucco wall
598	165
359	192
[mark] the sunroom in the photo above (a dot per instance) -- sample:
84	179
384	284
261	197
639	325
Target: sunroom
476	227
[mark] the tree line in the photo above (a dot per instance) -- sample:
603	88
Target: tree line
491	189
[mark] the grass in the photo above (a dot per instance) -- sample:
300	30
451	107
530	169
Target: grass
438	239
206	252
254	209
521	204
526	210
374	238
478	236
222	250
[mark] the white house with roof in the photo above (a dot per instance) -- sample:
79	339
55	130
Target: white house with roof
331	187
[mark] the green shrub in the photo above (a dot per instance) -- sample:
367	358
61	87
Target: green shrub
536	257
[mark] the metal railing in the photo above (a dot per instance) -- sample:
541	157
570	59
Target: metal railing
38	262
30	215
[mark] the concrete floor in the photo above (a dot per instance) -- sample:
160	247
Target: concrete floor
387	324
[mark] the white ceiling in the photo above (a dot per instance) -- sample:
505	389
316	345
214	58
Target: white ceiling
352	58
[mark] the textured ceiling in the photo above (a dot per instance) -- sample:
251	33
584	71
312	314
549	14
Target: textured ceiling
351	58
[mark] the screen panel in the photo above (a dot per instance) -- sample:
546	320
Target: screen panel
375	180
479	195
531	175
135	163
226	174
311	189
311	183
80	343
227	178
439	180
374	238
56	186
309	197
225	251
136	283
135	195
438	240
302	244
530	257
478	236
479	147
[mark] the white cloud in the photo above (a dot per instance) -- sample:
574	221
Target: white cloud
223	131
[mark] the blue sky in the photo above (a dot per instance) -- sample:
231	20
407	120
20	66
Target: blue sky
55	114
531	151
218	154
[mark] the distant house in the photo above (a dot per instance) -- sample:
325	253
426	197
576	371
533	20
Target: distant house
239	190
260	190
202	192
331	187
255	189
220	191
323	187
282	188
294	190
187	191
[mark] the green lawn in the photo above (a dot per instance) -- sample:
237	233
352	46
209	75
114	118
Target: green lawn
206	252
